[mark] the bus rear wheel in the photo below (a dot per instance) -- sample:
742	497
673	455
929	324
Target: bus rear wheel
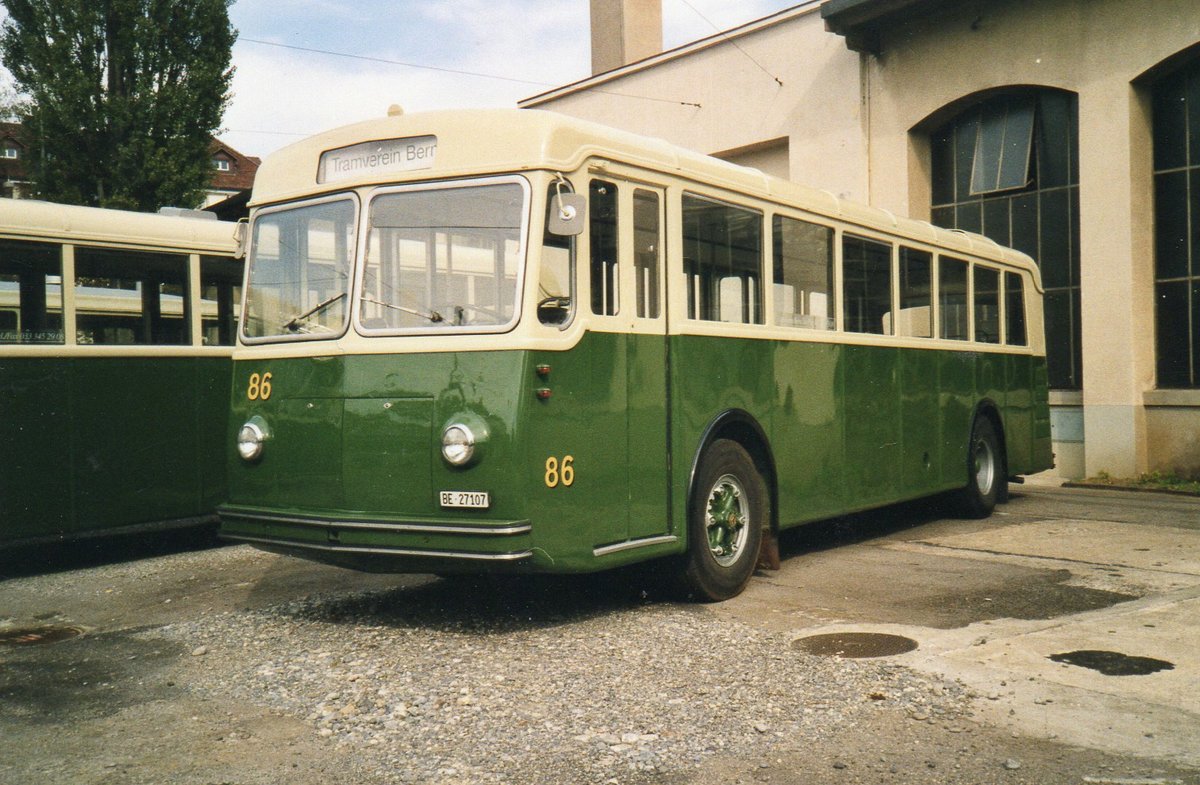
728	510
985	470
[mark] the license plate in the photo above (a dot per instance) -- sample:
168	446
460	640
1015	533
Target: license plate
473	500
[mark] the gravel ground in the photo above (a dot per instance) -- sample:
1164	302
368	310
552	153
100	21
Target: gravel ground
204	668
540	682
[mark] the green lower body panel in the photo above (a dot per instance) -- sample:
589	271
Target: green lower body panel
107	444
586	455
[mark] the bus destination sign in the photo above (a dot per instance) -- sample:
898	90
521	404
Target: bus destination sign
380	157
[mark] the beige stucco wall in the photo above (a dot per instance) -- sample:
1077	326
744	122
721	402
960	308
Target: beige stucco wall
741	105
857	125
1097	49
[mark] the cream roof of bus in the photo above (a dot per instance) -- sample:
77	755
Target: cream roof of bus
481	141
37	220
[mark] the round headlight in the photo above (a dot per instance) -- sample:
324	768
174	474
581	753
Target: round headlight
458	444
250	439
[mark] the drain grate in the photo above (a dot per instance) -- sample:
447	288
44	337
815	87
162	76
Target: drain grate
34	636
1113	663
855	645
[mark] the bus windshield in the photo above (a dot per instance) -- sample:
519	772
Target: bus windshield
444	257
299	276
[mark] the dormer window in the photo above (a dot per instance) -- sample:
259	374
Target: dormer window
221	164
10	151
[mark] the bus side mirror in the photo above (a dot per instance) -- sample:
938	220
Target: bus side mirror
240	231
567	214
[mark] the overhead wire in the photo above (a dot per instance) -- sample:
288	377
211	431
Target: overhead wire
456	71
735	44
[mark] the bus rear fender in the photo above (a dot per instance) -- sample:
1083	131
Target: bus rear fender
741	427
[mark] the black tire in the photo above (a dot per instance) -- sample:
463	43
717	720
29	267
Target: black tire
727	511
985	470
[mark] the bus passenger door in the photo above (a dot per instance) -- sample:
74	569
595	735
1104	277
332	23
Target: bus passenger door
627	422
647	424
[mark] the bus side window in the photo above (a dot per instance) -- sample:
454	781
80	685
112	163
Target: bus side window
987	304
556	276
647	252
952	298
867	285
130	297
722	249
602	223
802	255
30	292
916	292
220	299
1014	310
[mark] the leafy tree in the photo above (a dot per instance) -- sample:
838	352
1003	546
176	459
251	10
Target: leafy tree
8	104
123	96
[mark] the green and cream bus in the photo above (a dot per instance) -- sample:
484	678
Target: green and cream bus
116	331
483	340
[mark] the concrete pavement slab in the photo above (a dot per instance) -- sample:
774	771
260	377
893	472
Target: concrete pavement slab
1007	664
1008	660
1111	543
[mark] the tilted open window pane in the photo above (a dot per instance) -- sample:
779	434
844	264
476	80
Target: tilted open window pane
1003	146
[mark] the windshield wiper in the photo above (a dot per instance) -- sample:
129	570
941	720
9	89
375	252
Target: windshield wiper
432	316
293	324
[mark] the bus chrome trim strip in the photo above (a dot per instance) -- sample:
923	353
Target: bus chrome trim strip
380	551
512	528
632	544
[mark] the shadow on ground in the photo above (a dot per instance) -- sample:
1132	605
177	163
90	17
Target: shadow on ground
55	557
874	576
494	604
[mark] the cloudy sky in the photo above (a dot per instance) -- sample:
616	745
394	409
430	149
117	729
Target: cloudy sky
282	94
533	44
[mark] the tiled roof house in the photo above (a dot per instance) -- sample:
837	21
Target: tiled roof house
233	172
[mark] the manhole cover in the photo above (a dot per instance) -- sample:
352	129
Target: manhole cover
854	645
32	636
1113	663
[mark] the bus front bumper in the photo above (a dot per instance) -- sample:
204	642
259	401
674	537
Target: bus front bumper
384	545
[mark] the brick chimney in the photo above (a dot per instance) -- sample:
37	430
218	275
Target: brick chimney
624	31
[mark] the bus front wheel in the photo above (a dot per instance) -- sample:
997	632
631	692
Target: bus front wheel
985	470
728	510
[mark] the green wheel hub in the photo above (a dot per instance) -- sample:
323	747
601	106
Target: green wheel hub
727	519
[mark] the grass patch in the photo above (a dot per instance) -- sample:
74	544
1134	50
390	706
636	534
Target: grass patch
1152	481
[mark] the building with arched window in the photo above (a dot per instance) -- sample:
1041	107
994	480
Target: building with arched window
1069	129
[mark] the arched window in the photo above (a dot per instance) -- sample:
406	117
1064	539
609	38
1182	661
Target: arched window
1177	228
1008	167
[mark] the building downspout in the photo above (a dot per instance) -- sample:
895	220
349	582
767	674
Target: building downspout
864	88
